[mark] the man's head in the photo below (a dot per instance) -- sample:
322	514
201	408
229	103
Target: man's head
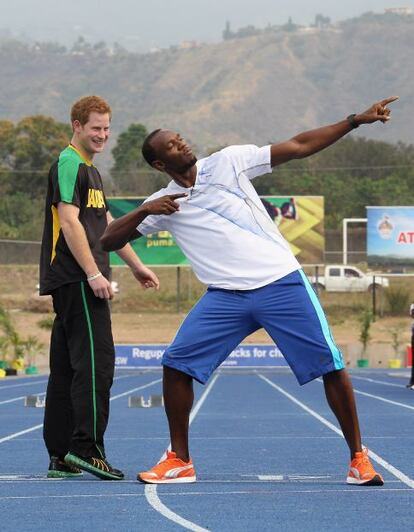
91	118
168	152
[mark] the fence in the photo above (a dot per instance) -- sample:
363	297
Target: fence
28	252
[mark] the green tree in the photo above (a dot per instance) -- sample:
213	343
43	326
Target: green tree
130	173
351	174
27	150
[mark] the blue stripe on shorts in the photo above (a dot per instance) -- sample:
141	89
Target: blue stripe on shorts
287	309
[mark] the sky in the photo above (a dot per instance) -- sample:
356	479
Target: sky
147	24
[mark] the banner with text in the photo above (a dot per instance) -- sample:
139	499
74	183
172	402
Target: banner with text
300	220
390	236
150	355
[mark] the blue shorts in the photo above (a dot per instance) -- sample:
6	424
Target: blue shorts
288	309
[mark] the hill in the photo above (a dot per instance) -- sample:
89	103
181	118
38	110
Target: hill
260	88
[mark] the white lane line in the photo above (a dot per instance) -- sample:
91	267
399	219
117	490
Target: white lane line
378	398
241	438
390	468
17	434
7	479
7	387
18	398
151	489
135	389
115	397
31	429
375	381
44	393
350	491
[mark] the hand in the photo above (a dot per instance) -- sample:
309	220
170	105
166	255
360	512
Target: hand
164	205
101	287
377	112
146	277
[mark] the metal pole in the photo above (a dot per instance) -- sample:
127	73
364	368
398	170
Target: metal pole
345	241
374	301
178	289
345	222
317	279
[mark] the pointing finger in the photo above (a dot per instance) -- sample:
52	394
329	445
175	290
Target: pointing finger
391	99
176	196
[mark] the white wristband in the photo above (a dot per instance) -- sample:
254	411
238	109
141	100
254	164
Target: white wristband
93	277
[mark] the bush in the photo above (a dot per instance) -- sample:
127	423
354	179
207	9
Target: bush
365	321
46	323
398	301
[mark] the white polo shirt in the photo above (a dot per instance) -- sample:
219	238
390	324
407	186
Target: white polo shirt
222	226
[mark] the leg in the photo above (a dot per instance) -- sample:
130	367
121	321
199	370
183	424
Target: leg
340	396
58	420
178	398
291	313
88	327
213	328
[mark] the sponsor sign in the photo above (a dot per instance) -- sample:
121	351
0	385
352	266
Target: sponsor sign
245	355
390	236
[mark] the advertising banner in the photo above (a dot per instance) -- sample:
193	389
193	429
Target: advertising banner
246	355
390	237
300	220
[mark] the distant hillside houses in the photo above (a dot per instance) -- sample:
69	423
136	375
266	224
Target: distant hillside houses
321	23
404	11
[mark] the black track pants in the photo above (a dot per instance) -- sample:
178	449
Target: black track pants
81	372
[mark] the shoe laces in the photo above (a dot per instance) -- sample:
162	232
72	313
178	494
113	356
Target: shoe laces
101	464
362	460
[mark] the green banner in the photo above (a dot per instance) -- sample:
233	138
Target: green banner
158	249
300	220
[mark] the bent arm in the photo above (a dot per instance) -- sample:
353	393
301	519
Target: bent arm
124	229
76	238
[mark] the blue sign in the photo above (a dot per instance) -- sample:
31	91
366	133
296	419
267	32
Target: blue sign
390	236
245	355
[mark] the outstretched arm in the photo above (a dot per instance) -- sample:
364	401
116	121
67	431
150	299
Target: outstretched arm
311	142
123	229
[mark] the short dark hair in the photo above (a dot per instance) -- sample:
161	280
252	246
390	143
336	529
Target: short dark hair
148	151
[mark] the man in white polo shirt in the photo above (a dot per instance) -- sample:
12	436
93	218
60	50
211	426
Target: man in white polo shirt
254	281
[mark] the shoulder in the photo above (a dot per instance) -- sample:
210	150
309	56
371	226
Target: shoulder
247	156
239	150
69	162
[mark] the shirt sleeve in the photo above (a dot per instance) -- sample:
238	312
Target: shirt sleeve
66	187
249	159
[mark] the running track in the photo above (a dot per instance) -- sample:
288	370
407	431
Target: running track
268	455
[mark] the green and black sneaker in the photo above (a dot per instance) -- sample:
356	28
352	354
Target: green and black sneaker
99	467
59	469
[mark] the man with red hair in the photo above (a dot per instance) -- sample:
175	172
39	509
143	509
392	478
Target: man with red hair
74	269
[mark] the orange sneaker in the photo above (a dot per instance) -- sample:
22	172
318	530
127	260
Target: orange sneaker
361	471
169	471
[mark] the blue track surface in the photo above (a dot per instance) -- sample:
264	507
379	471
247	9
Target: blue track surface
266	453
